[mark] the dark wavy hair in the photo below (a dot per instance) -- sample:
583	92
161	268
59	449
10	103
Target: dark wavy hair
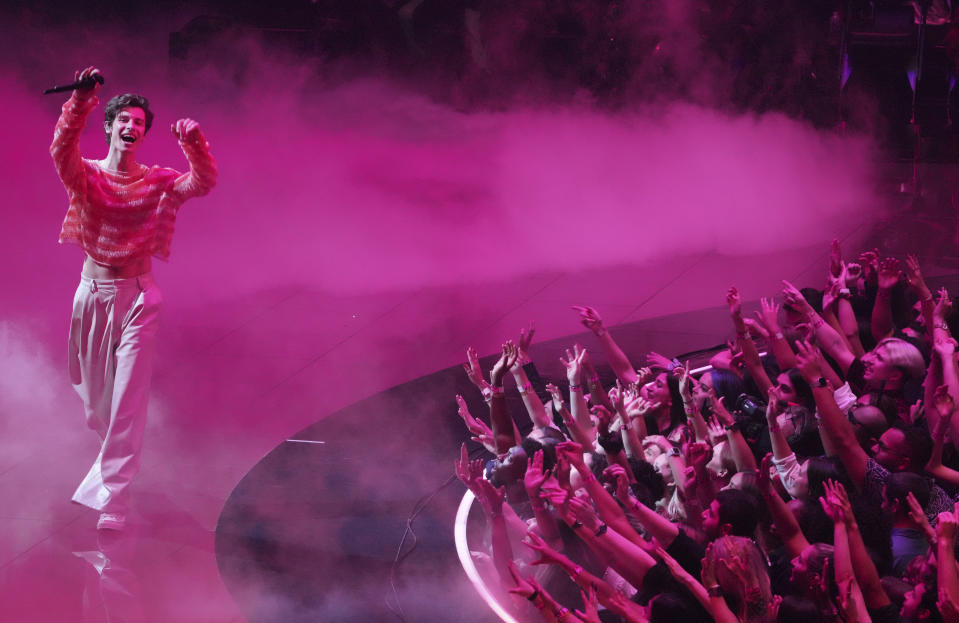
127	100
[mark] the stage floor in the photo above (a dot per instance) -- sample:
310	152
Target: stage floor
235	522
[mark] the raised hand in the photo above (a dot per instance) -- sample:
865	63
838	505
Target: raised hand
640	407
945	347
574	364
472	368
852	274
547	555
525	340
655	360
583	511
573	453
698	454
686	382
870	263
464	469
943	402
808	361
490	497
644	375
913	274
719	409
524	588
947	526
505	362
590	611
918	515
535	476
888	274
618	475
835	258
187	131
83	74
943	306
717	432
603	419
735	302
794	298
768	314
557	394
590	319
475	426
836	503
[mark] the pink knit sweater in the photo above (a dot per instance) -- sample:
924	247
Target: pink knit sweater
118	217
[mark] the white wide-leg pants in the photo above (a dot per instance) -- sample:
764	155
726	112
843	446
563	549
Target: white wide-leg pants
112	335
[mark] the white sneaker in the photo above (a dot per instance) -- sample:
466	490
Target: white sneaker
111	521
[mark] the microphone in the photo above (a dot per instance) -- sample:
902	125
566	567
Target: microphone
86	83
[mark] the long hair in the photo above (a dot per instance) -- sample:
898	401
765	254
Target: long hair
749	597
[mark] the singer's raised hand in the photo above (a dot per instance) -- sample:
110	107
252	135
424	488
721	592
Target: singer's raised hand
83	74
187	131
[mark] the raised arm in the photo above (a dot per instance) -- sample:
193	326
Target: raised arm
607	594
531	400
606	505
65	148
768	316
577	400
915	280
945	407
501	423
887	278
831	342
750	354
839	429
786	525
201	178
836	505
617	359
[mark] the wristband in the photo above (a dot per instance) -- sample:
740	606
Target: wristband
561	613
497	392
525	389
576	525
601	333
820	382
673	365
487	393
575	388
779	335
577	570
534	595
715	591
601	530
734	427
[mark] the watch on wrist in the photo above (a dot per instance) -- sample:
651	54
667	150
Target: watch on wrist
821	382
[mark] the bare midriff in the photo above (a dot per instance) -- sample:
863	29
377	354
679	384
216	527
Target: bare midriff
95	270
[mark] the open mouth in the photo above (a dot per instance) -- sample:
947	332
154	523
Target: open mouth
126	138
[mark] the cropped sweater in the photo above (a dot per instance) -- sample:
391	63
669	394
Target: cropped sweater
119	217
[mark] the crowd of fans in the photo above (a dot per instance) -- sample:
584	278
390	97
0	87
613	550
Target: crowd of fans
813	482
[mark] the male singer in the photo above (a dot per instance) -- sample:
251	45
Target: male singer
120	213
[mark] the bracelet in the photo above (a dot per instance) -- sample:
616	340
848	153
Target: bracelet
601	530
734	427
497	391
561	613
818	322
534	595
577	570
575	388
576	525
525	389
673	365
715	591
592	478
779	335
601	333
487	393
